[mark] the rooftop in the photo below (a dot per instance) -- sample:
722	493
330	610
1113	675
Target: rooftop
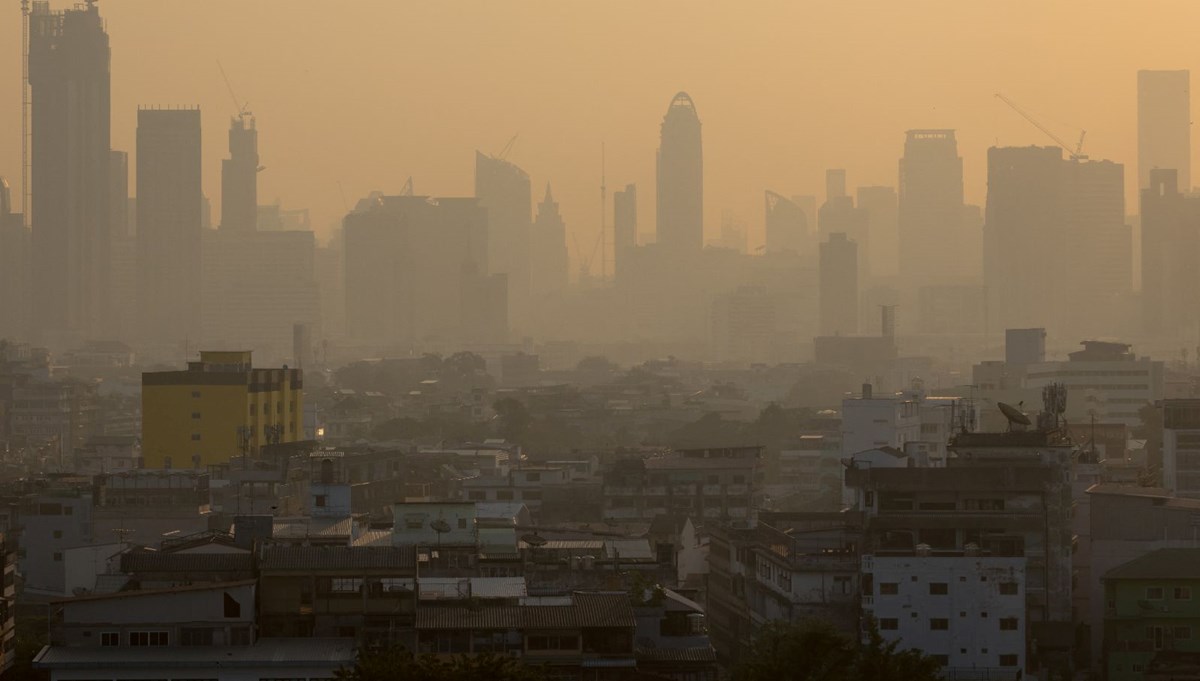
292	558
266	652
1182	564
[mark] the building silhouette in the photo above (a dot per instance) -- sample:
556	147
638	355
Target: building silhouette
169	219
415	270
549	252
879	204
932	234
69	82
786	224
239	176
839	215
625	226
1164	125
503	190
838	284
680	188
122	272
1170	278
14	268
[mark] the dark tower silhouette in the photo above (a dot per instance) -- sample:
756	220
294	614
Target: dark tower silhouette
786	224
239	177
549	251
503	189
680	209
1164	126
69	79
169	210
838	287
625	235
932	237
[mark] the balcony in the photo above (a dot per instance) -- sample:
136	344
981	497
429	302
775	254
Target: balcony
868	602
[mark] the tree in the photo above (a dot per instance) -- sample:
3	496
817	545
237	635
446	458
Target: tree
816	651
880	660
397	664
809	651
514	419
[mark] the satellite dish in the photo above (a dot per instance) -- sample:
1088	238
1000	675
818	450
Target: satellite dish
1013	415
440	526
533	540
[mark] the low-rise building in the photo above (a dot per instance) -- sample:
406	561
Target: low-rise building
1151	612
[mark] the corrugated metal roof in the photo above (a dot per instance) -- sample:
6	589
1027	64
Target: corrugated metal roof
706	654
568	545
586	610
301	528
266	652
306	558
629	549
434	588
154	561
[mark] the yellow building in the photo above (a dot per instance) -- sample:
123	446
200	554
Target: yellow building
208	413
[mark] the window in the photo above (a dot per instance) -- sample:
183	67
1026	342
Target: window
232	607
195	415
889	624
504	495
939	624
147	638
58	534
110	638
477	495
196	636
1008	624
553	643
1184	633
1183	593
938	588
1154	593
195	436
983	614
1009	660
195	393
533	477
462	523
68	510
889	588
532	495
739	479
1008	588
58	556
319	500
345	585
712	480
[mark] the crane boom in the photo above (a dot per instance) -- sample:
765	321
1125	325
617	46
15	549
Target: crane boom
1076	154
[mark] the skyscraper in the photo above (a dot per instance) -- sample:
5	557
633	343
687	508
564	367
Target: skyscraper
239	176
14	268
549	252
1164	125
680	207
1170	279
838	277
169	224
625	234
503	189
932	233
786	224
69	79
839	215
880	206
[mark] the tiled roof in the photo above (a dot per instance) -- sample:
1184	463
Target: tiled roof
155	561
305	558
1181	564
210	586
586	610
704	654
266	652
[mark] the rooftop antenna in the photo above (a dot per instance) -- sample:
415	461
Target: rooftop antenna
26	192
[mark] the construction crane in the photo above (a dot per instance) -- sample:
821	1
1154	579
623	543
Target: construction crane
243	110
507	148
1075	154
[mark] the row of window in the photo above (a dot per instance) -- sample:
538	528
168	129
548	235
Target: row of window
1179	593
1009	660
943	588
943	623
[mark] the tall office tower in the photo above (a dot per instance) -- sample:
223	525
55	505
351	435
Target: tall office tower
1164	126
786	224
839	215
239	176
1170	278
933	238
880	206
14	269
169	224
1023	228
1023	347
503	189
397	248
838	284
625	236
122	267
549	251
680	208
1096	261
69	80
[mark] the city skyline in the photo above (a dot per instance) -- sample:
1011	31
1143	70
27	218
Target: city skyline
796	134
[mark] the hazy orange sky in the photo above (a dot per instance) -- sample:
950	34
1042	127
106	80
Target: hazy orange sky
369	92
